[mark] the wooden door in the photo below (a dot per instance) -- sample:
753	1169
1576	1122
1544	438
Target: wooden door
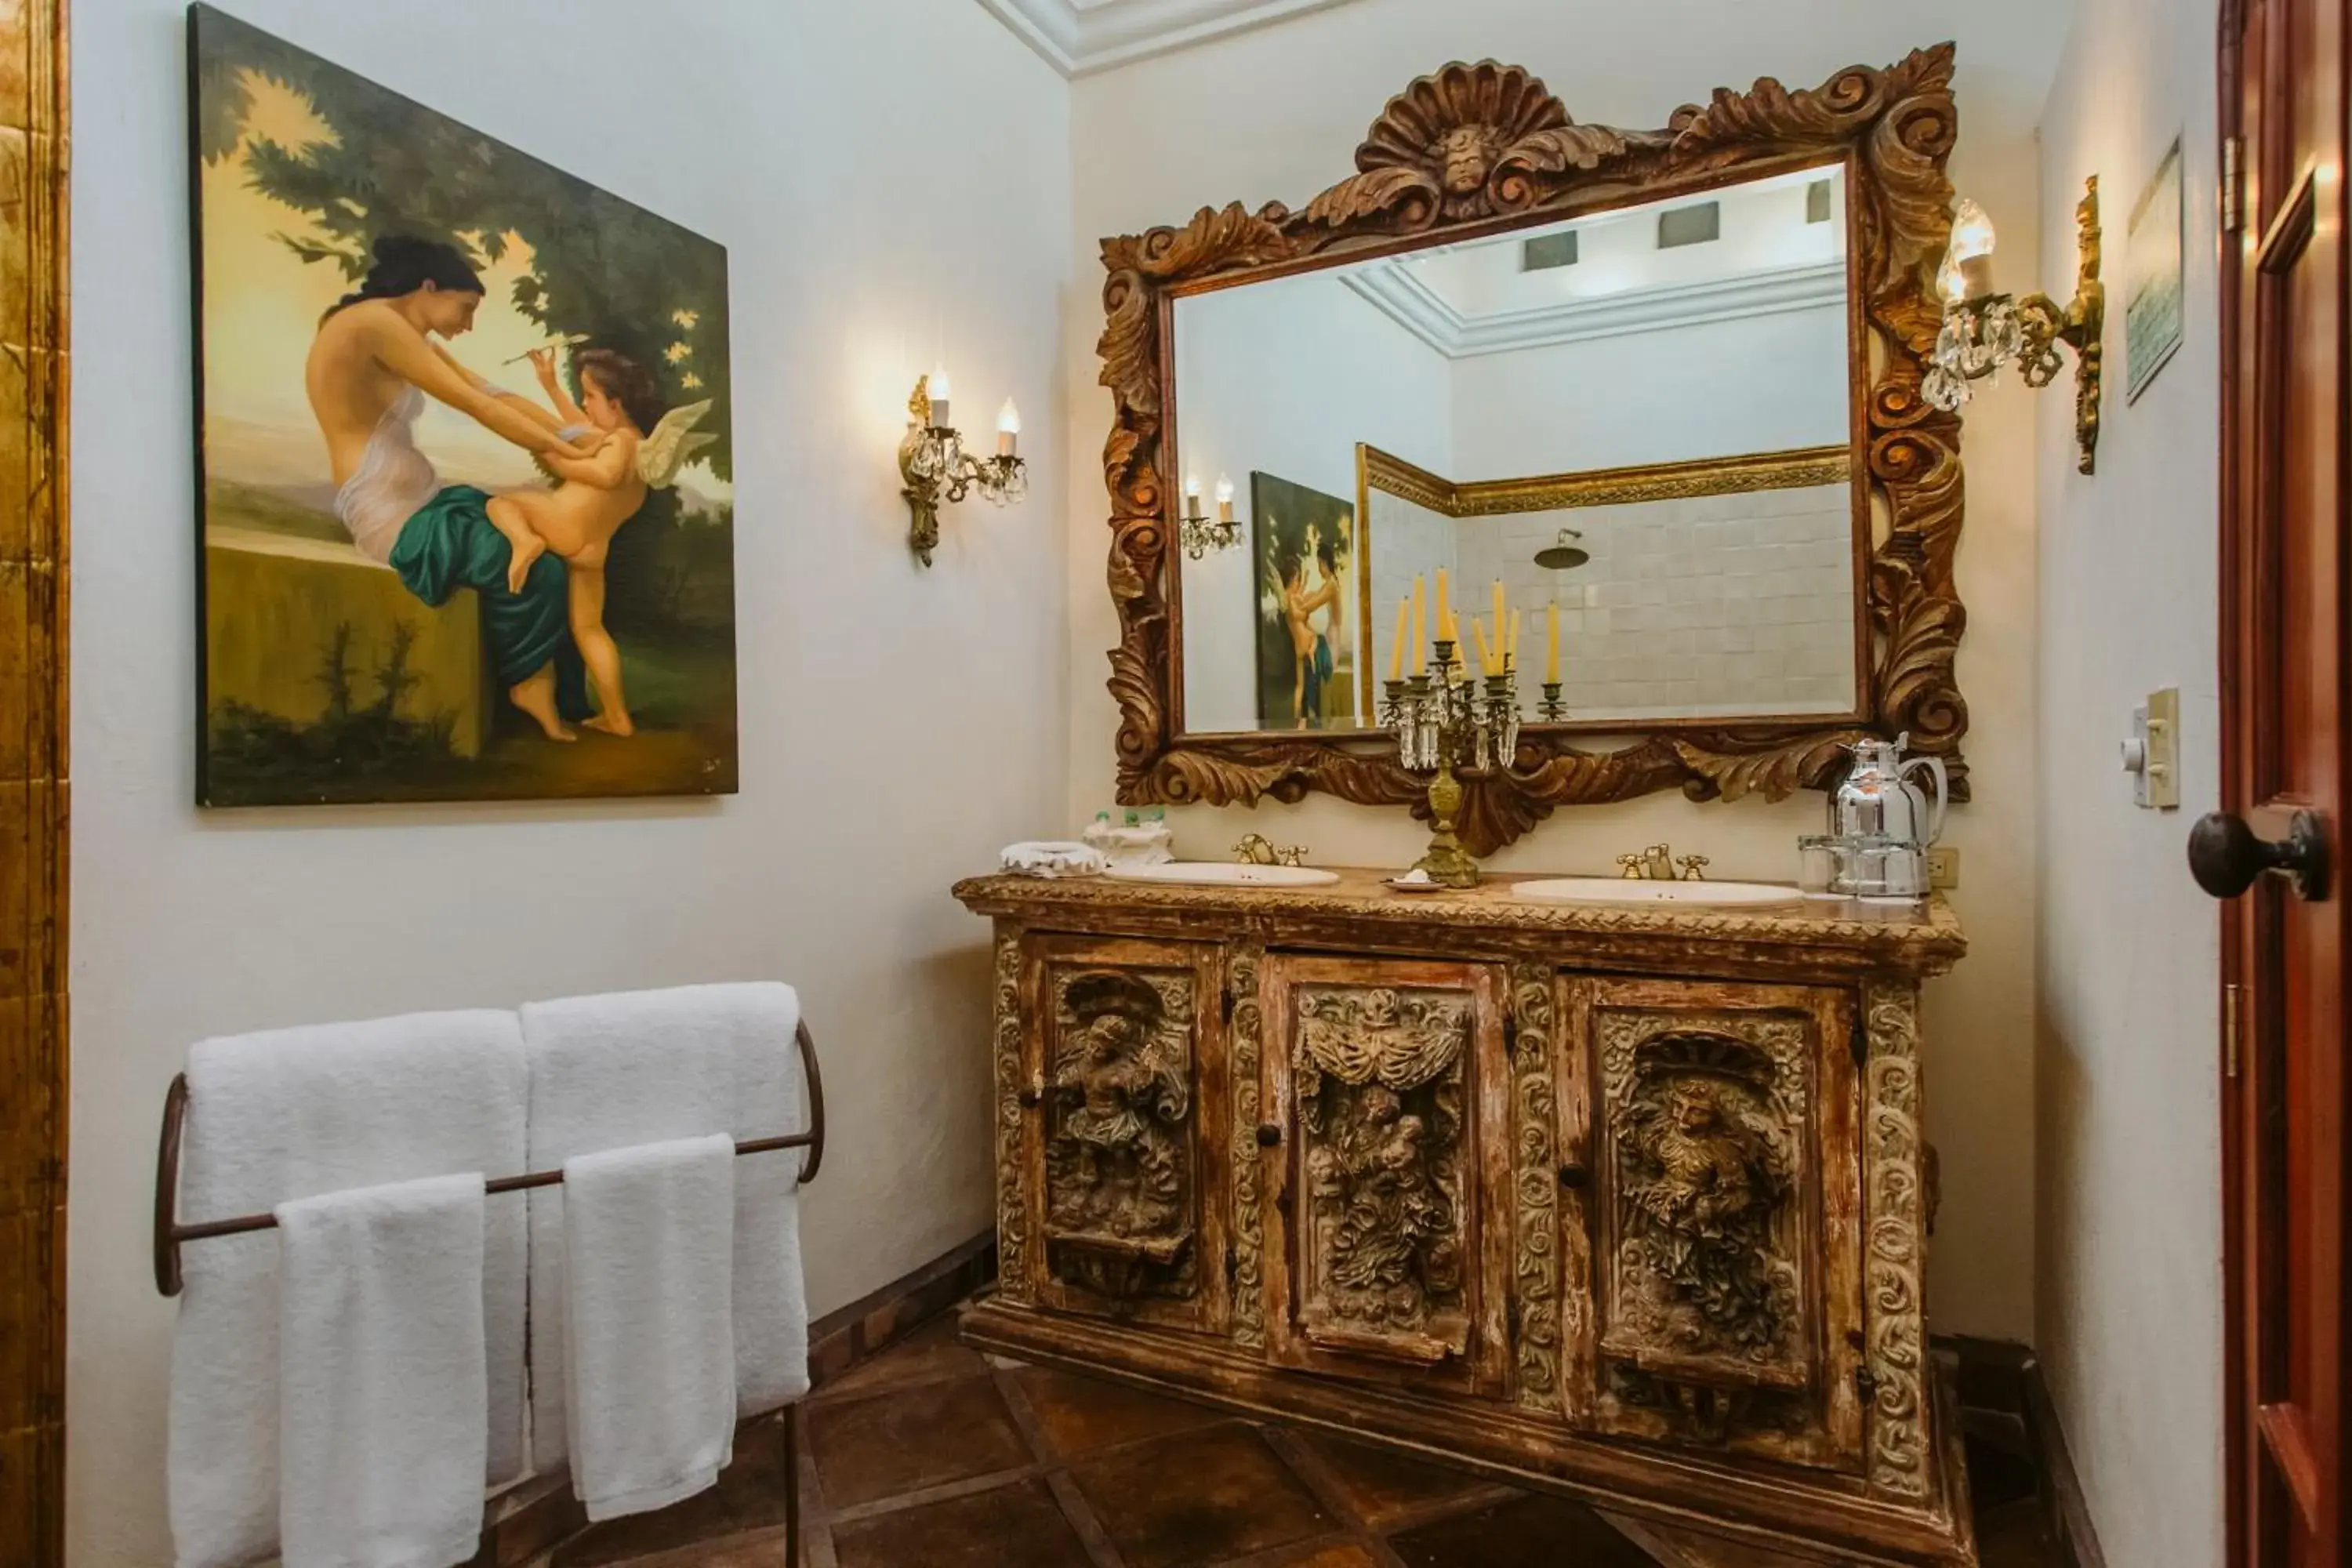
1386	1180
1712	1216
1122	1082
2283	771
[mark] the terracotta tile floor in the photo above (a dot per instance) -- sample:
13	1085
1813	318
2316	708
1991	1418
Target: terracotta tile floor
933	1456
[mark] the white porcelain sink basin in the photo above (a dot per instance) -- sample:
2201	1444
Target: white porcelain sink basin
1633	891
1225	874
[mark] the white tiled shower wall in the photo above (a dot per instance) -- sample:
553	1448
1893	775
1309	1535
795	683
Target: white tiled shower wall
1717	606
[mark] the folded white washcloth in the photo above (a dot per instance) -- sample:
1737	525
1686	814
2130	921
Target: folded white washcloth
384	1392
292	1114
610	1072
649	1352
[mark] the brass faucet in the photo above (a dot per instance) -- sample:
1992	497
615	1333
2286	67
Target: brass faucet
1657	864
1256	849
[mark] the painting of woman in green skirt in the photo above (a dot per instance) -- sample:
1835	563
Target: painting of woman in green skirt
378	625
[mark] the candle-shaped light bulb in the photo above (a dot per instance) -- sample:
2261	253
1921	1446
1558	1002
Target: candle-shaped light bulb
1970	255
939	391
1224	498
1008	430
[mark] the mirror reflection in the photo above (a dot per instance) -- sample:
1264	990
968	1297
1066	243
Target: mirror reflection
1631	432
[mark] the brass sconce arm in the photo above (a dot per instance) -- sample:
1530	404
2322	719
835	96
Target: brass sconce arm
933	468
1984	331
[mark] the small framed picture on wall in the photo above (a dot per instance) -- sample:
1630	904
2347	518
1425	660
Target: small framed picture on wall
2153	275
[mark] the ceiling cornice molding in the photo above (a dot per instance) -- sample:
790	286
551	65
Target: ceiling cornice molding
1078	37
1399	292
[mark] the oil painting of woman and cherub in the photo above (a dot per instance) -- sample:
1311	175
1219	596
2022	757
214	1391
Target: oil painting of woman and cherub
464	467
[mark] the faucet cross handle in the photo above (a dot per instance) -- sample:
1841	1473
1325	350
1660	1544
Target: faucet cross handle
1294	855
1630	866
1694	867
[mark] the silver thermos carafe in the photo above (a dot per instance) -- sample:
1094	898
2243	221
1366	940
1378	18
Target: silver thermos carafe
1878	806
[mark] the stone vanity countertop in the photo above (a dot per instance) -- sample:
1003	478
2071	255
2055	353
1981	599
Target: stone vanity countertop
1921	939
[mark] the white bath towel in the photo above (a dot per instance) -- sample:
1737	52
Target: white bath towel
383	1390
607	1072
292	1114
649	1344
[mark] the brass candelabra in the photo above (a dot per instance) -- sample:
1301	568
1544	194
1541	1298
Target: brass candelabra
1444	721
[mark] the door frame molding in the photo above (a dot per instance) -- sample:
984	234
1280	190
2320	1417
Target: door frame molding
34	596
2230	31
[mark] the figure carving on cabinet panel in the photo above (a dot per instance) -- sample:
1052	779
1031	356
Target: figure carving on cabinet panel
1710	1182
1117	1168
1705	1284
1380	1087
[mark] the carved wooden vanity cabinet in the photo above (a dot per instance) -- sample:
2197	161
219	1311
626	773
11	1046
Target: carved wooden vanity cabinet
1627	1202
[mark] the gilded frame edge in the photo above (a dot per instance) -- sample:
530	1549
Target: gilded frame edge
1486	148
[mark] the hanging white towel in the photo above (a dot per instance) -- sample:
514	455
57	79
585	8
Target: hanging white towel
608	1073
383	1391
292	1114
649	1237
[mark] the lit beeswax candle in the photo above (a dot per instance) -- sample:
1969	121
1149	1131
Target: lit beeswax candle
1502	622
1404	627
1552	629
1486	649
1444	611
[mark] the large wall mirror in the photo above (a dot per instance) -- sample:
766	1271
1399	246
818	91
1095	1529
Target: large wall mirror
1656	393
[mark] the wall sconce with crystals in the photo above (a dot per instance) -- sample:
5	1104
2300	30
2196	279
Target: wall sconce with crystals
935	466
1984	331
1196	534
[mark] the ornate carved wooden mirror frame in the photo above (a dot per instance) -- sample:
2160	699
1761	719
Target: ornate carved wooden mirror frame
1478	150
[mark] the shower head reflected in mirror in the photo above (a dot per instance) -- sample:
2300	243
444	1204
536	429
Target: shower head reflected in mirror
1563	555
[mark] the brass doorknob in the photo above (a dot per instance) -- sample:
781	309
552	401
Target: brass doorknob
2227	857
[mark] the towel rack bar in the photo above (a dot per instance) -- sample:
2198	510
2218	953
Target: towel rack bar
169	1232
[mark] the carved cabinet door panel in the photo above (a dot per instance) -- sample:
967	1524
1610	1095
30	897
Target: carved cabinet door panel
1124	1202
1711	1203
1380	1169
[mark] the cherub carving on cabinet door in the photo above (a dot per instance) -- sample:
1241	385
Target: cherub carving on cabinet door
1118	1175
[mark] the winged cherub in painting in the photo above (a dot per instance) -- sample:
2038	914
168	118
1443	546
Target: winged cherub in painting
642	448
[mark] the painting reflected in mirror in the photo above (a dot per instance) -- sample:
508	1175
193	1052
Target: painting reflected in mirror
1632	429
1304	545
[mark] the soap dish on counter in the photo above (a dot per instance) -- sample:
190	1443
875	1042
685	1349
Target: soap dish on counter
1412	885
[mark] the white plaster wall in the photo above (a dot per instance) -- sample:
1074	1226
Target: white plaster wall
875	170
1276	115
1284	380
1758	384
2129	1323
